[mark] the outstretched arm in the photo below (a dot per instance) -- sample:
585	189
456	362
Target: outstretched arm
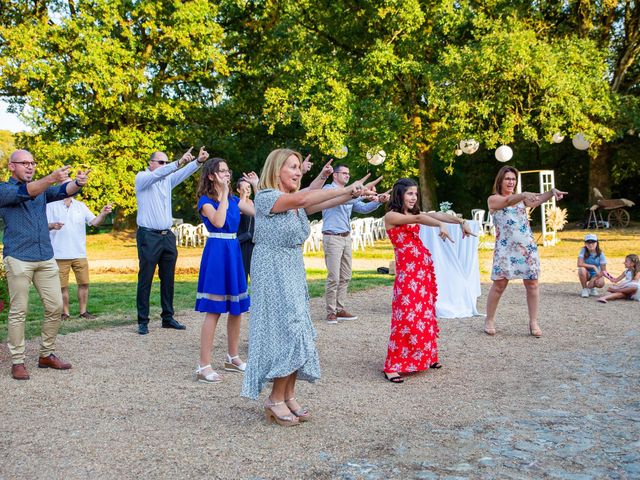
543	197
393	219
99	220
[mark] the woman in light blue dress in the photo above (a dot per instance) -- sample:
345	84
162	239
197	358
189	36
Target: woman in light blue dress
516	253
282	345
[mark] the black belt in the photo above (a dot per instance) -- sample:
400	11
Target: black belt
343	234
159	232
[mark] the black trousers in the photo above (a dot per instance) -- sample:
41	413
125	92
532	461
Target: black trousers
155	248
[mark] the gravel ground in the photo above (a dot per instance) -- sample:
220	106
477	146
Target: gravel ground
511	406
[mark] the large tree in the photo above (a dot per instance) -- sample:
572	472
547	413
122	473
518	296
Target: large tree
414	77
107	82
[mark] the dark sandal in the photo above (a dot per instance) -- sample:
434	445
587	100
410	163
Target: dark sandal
436	365
397	379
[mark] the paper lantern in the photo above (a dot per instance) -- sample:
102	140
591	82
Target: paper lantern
341	152
377	158
469	146
557	137
458	152
580	142
504	153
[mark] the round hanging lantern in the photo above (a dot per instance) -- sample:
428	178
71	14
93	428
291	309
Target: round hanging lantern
580	142
341	152
557	137
458	152
504	153
377	158
469	146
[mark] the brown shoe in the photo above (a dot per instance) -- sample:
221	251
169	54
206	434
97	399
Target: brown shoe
88	316
331	318
19	372
53	362
344	315
64	316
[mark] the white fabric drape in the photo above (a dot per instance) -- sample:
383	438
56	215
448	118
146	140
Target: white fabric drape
457	270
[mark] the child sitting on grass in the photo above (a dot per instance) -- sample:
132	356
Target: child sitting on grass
630	282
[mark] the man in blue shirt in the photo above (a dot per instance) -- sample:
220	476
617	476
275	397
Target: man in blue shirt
336	241
28	254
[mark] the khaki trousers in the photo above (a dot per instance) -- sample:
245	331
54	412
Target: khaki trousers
45	277
337	257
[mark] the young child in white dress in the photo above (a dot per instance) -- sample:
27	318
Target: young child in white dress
627	285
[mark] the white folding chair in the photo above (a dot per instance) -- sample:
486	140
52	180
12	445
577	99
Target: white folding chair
367	230
357	237
477	215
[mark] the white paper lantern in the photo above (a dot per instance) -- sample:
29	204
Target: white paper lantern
341	152
377	158
504	153
580	142
469	146
557	137
458	152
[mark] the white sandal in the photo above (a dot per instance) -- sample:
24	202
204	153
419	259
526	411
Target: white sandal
229	366
211	377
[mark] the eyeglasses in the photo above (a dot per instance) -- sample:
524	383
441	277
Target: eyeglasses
230	172
343	173
161	162
27	164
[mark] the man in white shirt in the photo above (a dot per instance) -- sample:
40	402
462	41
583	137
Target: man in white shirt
67	229
156	242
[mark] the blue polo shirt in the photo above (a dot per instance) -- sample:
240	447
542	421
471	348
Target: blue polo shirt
26	231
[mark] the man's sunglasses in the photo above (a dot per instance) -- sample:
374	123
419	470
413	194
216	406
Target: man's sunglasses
161	162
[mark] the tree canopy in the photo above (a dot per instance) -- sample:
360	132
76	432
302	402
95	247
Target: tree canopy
105	83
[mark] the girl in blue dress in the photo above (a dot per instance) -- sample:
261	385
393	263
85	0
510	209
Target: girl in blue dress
222	285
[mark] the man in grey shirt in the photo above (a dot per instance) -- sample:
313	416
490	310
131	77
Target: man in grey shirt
336	241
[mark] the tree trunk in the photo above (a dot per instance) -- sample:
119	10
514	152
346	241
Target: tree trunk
428	198
599	171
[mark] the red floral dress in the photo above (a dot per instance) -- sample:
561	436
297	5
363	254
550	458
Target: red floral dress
414	328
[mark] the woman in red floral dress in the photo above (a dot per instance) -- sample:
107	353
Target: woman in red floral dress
414	328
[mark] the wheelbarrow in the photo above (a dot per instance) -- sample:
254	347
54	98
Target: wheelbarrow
618	215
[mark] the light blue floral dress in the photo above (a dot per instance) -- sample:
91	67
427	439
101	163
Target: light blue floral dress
516	253
281	335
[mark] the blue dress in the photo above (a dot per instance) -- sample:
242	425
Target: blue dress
281	334
222	284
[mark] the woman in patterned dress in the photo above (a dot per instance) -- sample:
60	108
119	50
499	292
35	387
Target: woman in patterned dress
516	253
412	343
281	336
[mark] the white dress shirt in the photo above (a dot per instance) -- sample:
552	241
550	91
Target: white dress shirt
70	241
153	192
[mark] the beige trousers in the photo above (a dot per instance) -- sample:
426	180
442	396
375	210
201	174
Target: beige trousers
45	277
337	257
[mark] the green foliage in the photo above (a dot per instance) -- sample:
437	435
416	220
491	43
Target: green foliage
109	82
7	145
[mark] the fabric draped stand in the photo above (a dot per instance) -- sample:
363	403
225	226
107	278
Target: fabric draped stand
457	270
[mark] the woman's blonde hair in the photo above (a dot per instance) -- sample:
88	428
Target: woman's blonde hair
636	263
272	166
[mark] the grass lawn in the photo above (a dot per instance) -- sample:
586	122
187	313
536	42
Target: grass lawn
112	295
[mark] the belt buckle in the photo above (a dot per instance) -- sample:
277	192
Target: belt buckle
164	232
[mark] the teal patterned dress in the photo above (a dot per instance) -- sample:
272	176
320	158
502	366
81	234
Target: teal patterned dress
281	335
516	253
